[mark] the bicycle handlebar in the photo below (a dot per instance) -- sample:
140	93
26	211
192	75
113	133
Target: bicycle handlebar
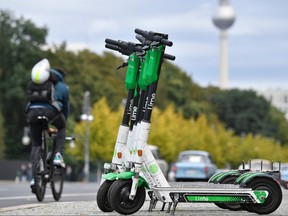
153	36
70	138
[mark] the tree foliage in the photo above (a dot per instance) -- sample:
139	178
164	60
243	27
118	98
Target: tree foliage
173	133
20	42
88	71
179	101
2	133
177	87
245	112
103	131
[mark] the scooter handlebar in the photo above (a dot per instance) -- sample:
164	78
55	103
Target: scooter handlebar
128	46
116	48
168	56
154	37
110	41
126	52
112	47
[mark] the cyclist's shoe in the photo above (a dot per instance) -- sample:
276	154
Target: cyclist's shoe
32	185
58	160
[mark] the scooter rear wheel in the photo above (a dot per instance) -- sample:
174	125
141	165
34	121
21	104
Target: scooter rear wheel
273	200
119	197
232	207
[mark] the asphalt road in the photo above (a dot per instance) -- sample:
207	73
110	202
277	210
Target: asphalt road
79	199
14	194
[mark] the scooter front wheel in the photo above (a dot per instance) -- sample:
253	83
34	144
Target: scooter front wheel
102	197
119	197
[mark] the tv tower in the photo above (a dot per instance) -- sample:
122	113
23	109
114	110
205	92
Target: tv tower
223	19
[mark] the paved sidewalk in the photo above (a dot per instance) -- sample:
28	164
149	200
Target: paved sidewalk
88	208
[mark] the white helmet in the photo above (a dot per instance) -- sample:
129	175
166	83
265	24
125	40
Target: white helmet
41	72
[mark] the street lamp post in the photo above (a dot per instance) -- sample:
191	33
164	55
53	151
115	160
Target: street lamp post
87	117
223	19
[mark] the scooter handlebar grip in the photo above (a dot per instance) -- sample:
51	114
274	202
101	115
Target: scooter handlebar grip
166	42
140	38
110	41
151	36
141	32
112	47
168	56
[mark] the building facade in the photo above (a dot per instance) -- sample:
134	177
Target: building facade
278	98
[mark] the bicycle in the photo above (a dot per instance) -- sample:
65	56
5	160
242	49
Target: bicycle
43	169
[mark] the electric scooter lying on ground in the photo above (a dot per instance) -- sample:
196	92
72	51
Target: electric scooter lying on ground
134	168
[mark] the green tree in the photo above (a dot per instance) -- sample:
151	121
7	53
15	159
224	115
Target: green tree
103	132
2	133
22	46
173	134
20	42
244	112
176	87
97	75
277	125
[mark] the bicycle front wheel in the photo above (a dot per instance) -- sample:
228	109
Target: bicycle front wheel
57	180
38	171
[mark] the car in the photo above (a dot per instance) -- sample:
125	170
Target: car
194	165
284	172
161	162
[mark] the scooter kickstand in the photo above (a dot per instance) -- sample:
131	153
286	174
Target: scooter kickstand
174	207
153	202
163	206
175	202
169	207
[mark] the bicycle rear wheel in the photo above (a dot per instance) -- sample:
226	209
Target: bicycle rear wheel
38	171
57	180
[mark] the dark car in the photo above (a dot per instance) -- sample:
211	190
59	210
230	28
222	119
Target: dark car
194	165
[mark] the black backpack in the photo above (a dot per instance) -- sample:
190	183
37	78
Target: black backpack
43	93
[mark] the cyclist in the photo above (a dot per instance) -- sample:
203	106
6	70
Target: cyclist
51	101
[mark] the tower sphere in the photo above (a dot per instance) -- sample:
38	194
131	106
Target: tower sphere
224	16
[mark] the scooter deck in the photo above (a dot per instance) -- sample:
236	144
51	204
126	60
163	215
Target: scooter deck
208	192
200	185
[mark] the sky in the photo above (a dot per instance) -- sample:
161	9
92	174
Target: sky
257	42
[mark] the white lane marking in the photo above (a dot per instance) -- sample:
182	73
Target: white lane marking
50	196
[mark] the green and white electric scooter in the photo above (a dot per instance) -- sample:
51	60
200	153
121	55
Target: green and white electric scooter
257	192
137	84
